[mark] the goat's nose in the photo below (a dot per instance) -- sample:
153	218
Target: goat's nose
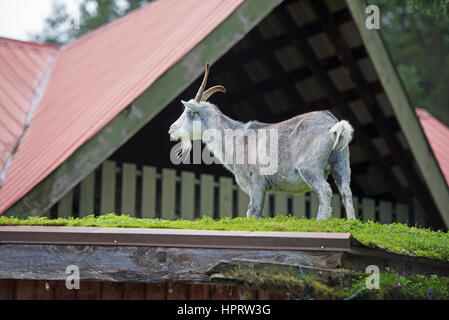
172	128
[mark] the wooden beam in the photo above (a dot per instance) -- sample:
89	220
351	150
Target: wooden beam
283	40
362	139
403	109
90	155
419	190
293	76
139	264
266	54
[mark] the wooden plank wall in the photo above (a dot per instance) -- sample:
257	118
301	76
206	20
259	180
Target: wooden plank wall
150	192
94	290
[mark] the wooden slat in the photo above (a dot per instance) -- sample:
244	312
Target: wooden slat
314	204
177	291
187	195
148	192
220	292
62	293
243	201
89	290
155	291
7	289
65	206
87	195
280	204
385	212
44	290
111	291
368	209
24	290
402	215
336	207
133	291
199	291
299	205
225	197
107	200
129	181
168	194
207	195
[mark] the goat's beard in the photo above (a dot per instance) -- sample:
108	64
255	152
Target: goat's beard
186	146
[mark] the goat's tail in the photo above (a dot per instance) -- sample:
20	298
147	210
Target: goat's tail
342	134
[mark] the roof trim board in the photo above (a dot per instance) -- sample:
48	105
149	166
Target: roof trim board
403	108
96	150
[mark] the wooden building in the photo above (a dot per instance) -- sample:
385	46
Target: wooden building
85	125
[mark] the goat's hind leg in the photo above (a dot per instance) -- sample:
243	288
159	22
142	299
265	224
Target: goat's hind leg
341	172
316	180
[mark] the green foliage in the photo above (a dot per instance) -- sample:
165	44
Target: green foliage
391	286
433	8
92	14
394	286
417	35
395	237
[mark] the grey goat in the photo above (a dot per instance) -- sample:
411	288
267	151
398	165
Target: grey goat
310	146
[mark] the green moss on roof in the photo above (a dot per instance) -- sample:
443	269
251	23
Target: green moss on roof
392	286
395	237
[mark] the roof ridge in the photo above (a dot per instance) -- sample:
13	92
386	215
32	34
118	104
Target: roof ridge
38	93
22	43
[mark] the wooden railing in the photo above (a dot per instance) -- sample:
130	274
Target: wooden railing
148	192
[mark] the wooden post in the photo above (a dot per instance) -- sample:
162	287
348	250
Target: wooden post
148	192
336	206
129	174
225	197
65	206
168	194
87	190
280	204
243	201
368	209
187	195
385	212
107	199
299	205
207	195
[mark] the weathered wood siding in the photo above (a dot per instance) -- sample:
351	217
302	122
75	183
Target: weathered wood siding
99	290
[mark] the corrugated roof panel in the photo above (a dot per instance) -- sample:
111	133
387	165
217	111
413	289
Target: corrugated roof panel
100	74
22	65
438	135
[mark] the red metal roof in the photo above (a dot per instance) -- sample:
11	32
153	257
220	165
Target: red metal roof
23	68
438	136
97	76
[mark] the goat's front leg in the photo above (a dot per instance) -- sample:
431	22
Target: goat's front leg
256	201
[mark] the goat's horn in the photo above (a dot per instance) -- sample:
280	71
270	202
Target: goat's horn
211	91
199	94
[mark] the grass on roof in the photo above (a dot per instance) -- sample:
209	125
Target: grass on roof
395	237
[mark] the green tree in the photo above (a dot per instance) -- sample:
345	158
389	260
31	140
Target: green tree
417	34
61	28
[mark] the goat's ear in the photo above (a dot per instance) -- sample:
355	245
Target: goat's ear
192	105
